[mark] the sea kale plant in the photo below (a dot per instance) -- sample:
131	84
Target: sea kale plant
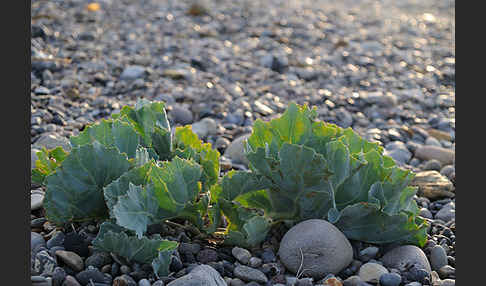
302	168
132	171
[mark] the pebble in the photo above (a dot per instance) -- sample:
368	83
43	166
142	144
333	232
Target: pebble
124	280
236	282
446	271
413	284
207	255
432	141
143	282
56	240
90	273
390	279
438	257
368	253
235	150
241	254
206	126
354	280
448	282
71	259
432	165
447	212
36	241
443	155
425	213
58	276
98	259
132	72
71	281
36	199
255	262
432	185
249	274
268	256
401	256
371	272
200	275
181	115
325	249
44	264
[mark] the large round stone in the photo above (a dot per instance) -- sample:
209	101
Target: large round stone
405	256
315	248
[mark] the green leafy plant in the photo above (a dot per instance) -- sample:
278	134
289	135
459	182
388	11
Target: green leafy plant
132	170
301	168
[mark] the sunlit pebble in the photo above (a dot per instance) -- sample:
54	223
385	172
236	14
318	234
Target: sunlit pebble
450	60
430	68
288	50
197	28
429	17
209	85
227	44
324	92
309	61
169	17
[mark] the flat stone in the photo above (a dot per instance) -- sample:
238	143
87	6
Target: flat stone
241	254
439	134
429	152
250	274
71	259
432	185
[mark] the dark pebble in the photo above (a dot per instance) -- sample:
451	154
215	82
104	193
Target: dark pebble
207	255
175	264
98	259
90	273
58	276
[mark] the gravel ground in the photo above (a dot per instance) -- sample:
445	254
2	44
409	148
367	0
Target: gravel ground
385	68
